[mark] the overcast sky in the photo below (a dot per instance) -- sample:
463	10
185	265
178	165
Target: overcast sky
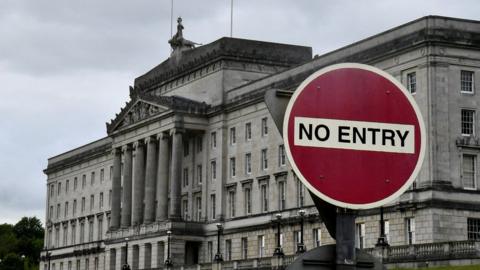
65	66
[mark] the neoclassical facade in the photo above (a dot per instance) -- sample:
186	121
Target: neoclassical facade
195	147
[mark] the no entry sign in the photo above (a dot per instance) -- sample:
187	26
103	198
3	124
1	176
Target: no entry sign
354	136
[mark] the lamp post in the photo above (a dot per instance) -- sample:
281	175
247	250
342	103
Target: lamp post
278	250
382	240
48	255
126	266
218	256
168	261
301	246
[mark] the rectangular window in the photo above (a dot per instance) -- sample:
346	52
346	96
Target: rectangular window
199	144
65	235
264	198
213	139
317	237
248	131
74	207
83	204
59	188
261	246
65	214
92	202
101	201
264	159
386	225
468	120
185	209
228	250
84	181
281	155
199	174
282	196
82	232
57	237
233	136
58	211
248	163
102	175
297	237
410	231
360	235
198	208
213	169
231	203
73	234
186	148
473	229
244	247
92	179
469	171
100	229
110	177
110	198
232	167
185	177
264	126
248	200
50	213
466	81
300	193
75	183
212	204
52	191
412	82
67	186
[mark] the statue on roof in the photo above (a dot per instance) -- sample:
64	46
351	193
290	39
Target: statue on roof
178	42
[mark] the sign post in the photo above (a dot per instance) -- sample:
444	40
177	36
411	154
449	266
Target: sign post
356	139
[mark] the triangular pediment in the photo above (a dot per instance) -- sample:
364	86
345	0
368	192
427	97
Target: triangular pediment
143	106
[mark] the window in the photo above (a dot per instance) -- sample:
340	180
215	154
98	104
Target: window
92	179
65	214
209	251
261	246
78	265
360	235
74	234
473	229
281	155
67	185
65	235
57	236
282	196
199	144
248	200
410	231
232	167
317	237
59	188
248	131
228	250
186	148
264	159
75	183
213	203
199	174
92	202
248	163
100	204
466	81
82	232
83	204
110	177
300	193
264	198
213	169
231	203
185	177
264	127
110	198
100	229
412	82
102	175
84	181
233	137
468	118
213	139
58	210
198	208
52	191
74	207
50	213
469	171
386	225
244	243
185	209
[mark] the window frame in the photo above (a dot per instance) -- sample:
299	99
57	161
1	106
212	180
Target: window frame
471	82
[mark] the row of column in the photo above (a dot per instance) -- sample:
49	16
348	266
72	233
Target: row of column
146	176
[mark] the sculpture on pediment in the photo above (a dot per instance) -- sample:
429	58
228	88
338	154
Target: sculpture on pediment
177	42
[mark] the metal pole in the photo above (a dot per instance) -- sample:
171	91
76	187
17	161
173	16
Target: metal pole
48	258
301	247
278	250
168	261
218	256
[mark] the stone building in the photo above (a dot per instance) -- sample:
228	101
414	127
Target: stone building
195	146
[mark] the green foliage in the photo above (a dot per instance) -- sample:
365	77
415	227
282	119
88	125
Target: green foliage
20	244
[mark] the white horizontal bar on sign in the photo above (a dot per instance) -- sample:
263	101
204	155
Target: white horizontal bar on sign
354	135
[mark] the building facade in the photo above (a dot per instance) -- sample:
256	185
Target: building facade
195	150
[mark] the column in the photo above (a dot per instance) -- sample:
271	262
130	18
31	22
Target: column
127	186
138	184
150	180
116	188
176	172
162	176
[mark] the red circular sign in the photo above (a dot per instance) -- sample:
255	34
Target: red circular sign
354	136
